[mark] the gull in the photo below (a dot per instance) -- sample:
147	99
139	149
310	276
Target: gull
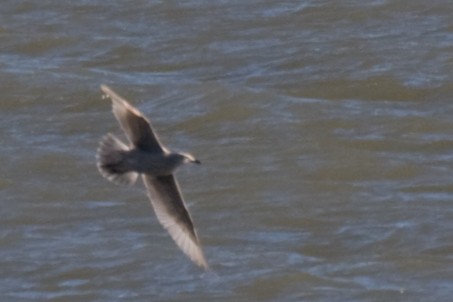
146	156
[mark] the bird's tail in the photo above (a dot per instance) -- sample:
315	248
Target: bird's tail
111	161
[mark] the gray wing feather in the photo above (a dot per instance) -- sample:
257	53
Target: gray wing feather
166	199
137	128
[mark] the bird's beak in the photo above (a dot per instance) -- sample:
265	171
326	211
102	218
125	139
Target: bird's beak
196	161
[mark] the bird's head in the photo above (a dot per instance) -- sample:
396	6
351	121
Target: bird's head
189	158
186	158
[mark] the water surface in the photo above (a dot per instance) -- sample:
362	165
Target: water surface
324	128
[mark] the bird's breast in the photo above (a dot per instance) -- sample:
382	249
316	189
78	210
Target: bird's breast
155	164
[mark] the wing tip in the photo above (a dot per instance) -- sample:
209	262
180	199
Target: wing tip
105	89
204	264
195	254
119	102
108	93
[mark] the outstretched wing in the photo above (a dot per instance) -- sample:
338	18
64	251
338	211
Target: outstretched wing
166	199
137	128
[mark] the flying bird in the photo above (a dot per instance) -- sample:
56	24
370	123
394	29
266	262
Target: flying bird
145	156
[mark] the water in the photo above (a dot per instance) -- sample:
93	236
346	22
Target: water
324	128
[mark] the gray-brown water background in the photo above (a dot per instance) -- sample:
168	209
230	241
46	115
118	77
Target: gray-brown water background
325	129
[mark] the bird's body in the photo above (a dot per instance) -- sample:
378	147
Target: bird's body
143	162
146	156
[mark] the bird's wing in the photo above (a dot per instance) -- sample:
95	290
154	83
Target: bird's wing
137	128
166	199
